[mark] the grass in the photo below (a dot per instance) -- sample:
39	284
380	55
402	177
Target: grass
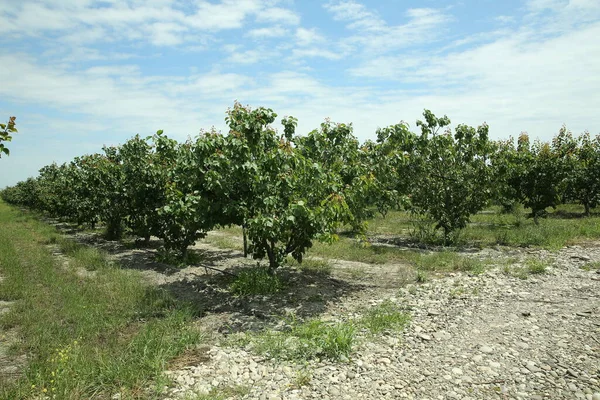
348	249
447	261
86	337
529	267
487	229
535	267
421	277
256	281
564	226
312	266
384	317
316	339
221	393
303	378
591	266
225	242
490	227
311	339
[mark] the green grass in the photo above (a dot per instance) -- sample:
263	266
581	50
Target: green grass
312	339
536	267
529	267
421	277
303	378
225	242
221	393
86	337
312	266
447	261
591	266
348	249
488	228
256	281
317	339
385	317
563	226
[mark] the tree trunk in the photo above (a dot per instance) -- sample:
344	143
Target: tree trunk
272	260
587	208
245	240
184	252
147	239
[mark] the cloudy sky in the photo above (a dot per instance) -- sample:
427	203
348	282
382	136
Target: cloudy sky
82	73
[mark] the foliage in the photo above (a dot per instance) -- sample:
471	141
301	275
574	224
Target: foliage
540	176
287	200
256	281
580	165
451	175
5	135
338	151
390	160
287	191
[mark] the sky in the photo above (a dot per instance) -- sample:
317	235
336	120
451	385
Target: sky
80	74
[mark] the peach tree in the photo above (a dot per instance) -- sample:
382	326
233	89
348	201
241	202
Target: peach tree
451	173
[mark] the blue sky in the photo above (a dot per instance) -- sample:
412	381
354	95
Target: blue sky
82	73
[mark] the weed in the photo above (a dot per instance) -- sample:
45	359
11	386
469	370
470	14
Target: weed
421	277
591	266
448	261
357	273
385	316
303	378
312	266
536	266
256	281
307	340
225	242
221	393
457	292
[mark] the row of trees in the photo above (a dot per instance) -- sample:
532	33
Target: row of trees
287	190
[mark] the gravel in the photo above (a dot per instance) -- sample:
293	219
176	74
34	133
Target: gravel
488	336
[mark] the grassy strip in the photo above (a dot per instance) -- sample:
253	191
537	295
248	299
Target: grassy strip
316	339
85	337
564	226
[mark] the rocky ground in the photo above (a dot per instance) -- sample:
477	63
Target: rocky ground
503	334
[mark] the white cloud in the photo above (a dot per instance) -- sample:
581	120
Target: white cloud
535	74
306	37
278	14
375	36
166	34
162	23
505	19
270	32
315	53
246	57
356	14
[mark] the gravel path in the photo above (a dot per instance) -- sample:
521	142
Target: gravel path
489	336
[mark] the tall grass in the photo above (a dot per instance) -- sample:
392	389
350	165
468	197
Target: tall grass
86	337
